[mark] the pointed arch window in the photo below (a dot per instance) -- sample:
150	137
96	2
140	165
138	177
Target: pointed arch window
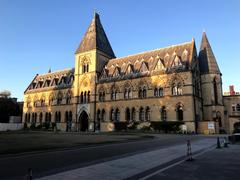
177	90
147	114
112	115
113	94
117	115
141	114
85	68
163	113
215	90
179	111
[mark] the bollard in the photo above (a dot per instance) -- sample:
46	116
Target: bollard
29	174
189	151
225	142
218	143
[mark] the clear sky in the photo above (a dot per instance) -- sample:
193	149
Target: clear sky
38	34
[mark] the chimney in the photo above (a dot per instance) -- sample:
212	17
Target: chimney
231	89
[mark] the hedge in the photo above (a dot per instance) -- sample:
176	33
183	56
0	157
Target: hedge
167	126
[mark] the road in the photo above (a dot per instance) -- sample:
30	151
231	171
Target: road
46	163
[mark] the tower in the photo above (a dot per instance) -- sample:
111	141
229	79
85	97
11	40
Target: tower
91	56
211	79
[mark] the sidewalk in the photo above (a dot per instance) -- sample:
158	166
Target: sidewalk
221	164
131	165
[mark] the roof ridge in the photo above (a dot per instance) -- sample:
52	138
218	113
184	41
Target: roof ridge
57	71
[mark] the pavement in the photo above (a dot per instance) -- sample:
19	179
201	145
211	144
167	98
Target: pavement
221	164
135	166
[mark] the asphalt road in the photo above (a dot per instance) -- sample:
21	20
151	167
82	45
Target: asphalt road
46	163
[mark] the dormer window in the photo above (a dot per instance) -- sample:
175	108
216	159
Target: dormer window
143	67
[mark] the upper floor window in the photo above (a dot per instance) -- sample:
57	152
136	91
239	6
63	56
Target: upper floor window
113	94
176	90
127	93
142	92
85	68
158	92
101	96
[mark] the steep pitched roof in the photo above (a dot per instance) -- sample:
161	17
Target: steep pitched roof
152	57
207	60
95	38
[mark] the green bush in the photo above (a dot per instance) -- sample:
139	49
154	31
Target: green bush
120	126
167	126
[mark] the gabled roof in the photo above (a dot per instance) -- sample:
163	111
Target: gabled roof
207	60
95	38
53	79
151	58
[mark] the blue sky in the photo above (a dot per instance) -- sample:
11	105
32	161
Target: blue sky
38	34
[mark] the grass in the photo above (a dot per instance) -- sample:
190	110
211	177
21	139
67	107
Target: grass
31	141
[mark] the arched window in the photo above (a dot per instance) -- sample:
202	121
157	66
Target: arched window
127	93
50	99
140	93
144	92
177	90
141	114
66	116
117	115
163	114
113	94
179	112
215	91
59	116
28	117
103	115
160	92
98	115
81	97
56	116
133	114
147	114
112	115
59	98
40	118
85	97
70	116
85	68
88	95
127	114
156	92
68	98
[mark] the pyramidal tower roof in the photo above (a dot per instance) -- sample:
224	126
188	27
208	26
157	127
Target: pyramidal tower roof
95	38
207	60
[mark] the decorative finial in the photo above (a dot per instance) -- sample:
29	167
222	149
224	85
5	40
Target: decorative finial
49	71
204	30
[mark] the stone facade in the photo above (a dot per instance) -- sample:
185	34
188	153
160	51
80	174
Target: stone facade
167	84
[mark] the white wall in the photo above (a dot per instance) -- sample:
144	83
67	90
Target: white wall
10	126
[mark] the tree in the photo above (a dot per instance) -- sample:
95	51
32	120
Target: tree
5	94
8	106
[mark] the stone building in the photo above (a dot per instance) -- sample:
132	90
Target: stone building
173	83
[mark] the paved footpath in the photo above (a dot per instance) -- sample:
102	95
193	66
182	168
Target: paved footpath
132	165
